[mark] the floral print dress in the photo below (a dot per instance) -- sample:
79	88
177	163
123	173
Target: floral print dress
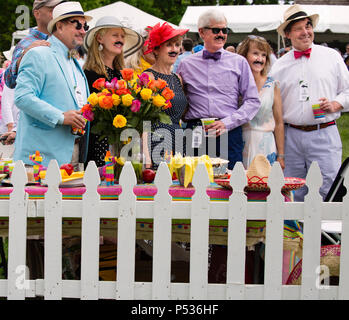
258	134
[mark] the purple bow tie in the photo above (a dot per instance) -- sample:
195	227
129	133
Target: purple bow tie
208	55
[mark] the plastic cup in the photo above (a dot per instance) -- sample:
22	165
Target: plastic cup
30	174
317	111
207	121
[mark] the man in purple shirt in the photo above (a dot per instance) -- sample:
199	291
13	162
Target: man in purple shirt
219	84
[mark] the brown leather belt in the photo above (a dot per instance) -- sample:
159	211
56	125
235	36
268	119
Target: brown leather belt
312	127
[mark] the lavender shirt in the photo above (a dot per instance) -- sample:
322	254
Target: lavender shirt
213	88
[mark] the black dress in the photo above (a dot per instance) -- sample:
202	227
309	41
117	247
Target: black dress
98	148
179	103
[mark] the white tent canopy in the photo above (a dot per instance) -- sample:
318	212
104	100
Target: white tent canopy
127	14
333	22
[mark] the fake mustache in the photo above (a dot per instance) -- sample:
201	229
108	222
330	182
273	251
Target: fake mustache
258	62
172	53
119	42
220	37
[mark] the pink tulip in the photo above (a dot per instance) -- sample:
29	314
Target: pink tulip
136	105
88	115
113	84
143	79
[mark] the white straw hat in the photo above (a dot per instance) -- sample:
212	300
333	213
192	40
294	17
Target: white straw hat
296	12
133	40
65	10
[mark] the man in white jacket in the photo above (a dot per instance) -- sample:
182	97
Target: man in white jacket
310	74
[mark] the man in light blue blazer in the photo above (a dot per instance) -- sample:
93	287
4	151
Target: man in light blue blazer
51	88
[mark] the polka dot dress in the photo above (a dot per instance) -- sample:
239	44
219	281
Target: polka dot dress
179	103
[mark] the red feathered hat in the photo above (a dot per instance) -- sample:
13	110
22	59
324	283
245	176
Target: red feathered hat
160	34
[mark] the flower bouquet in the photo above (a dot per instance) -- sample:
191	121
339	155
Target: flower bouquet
125	104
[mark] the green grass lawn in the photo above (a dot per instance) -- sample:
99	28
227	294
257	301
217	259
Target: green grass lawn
343	127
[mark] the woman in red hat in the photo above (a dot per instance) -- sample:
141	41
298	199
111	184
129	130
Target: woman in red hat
165	43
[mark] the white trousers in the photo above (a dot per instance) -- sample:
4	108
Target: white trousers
302	148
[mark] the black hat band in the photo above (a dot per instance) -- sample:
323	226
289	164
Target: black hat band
296	15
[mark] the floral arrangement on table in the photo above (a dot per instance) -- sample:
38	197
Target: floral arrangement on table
126	103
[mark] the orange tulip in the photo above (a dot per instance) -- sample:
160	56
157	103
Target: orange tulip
160	84
106	102
122	84
99	84
86	107
127	74
152	85
168	94
121	92
168	105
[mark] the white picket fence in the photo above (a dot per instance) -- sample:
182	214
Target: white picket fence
126	209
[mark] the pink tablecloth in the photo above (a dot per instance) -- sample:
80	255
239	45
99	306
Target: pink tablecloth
143	192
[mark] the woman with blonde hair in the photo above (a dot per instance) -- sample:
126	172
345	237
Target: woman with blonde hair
264	134
108	43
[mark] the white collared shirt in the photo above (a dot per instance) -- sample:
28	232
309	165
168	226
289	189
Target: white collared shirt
326	75
9	111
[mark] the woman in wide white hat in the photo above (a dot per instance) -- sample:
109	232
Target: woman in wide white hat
108	43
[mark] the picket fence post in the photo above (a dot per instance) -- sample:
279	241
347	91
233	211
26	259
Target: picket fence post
17	243
312	234
199	235
53	234
237	235
274	234
90	234
161	286
126	234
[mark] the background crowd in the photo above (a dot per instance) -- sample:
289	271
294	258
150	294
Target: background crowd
260	104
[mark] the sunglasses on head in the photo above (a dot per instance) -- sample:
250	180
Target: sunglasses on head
79	25
252	37
218	30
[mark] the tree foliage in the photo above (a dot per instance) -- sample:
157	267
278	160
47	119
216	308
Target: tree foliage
169	10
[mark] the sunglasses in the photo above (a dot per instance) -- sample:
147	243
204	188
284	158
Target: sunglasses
79	25
218	30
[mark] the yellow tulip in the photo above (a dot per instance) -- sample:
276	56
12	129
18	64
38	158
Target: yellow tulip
93	99
116	100
146	93
127	100
119	121
159	101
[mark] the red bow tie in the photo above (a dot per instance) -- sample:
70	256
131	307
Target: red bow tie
298	54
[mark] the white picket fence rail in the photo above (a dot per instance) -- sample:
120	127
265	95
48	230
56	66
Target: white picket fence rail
200	209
